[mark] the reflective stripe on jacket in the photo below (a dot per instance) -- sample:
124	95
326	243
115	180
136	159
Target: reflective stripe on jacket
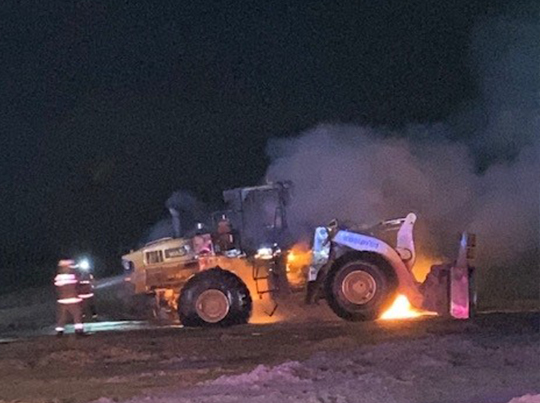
66	287
86	286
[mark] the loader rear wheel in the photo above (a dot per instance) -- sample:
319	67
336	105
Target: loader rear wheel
359	289
214	297
212	306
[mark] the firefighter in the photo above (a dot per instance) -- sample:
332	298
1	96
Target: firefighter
86	292
202	240
225	236
68	300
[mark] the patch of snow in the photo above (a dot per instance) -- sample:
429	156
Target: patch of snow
287	372
450	369
526	399
104	400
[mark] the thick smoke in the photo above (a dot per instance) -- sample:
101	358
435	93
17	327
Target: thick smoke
355	174
190	212
478	171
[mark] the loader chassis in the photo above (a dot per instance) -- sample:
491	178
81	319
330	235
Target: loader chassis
357	272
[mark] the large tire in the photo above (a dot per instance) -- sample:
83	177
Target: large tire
359	288
214	297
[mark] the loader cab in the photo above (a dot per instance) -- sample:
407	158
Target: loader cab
258	214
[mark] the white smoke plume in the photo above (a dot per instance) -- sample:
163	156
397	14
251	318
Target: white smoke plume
478	171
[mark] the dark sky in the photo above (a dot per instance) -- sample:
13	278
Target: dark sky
108	107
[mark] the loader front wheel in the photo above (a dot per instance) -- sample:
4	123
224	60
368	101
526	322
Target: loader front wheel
358	289
214	297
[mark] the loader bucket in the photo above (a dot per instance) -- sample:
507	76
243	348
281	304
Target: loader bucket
450	289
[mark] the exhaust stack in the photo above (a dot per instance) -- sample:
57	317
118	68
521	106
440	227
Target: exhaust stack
177	227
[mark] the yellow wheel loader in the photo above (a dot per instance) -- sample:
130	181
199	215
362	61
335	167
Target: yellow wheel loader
210	277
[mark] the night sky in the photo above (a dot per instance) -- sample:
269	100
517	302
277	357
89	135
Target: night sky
108	107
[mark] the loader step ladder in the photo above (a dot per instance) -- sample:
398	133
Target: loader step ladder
263	273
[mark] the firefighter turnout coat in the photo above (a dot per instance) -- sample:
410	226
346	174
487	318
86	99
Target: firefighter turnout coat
86	286
68	300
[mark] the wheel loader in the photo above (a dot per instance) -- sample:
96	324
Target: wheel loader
210	277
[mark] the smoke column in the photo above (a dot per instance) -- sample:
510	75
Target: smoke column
477	171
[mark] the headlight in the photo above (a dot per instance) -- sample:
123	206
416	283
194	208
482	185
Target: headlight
127	265
264	253
84	264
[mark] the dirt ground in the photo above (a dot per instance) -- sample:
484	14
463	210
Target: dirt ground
126	357
119	365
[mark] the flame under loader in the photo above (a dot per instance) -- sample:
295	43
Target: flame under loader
210	277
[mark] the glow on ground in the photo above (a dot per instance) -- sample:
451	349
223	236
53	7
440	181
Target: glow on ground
402	309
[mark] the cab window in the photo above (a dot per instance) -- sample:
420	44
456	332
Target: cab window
155	256
175	252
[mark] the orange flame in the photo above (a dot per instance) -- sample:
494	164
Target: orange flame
423	265
300	254
402	309
298	261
